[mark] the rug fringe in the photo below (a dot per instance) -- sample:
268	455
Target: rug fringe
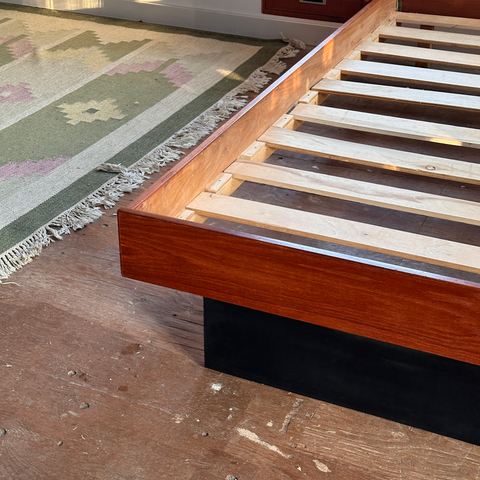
88	210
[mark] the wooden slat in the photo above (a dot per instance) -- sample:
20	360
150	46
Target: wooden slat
257	152
429	36
438	20
441	57
220	183
346	232
287	121
187	215
310	97
422	76
224	185
385	125
379	157
399	94
357	191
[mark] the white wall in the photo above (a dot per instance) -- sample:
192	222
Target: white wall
239	17
246	7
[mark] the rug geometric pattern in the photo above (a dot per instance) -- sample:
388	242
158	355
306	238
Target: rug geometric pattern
79	91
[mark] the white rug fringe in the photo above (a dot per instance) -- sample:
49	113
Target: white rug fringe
88	210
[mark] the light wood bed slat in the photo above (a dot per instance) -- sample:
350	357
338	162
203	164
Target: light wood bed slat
385	125
399	94
438	20
429	36
403	52
357	191
422	76
346	232
379	157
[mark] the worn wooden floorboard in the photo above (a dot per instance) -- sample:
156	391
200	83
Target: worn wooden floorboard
75	312
154	411
440	457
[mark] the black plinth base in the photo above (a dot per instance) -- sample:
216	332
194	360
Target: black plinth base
400	384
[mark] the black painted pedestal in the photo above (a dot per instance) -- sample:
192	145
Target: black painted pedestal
408	386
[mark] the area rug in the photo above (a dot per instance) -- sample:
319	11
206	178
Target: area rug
89	107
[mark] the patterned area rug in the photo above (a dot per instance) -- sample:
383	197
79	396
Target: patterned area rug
90	106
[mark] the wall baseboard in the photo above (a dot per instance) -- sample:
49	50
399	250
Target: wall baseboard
256	25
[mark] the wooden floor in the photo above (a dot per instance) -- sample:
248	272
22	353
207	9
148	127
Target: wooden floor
103	378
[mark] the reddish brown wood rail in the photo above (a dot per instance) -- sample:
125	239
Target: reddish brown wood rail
415	309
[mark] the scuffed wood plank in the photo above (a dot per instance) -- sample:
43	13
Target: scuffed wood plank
374	156
355	234
385	125
356	191
387	447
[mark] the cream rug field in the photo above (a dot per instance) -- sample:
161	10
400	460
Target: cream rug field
78	92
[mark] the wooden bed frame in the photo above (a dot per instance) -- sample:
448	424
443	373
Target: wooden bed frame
165	237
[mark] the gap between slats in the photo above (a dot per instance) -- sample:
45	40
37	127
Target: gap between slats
379	157
386	125
399	94
357	191
402	52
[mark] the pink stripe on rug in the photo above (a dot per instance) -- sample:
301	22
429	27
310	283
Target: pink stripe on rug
15	93
177	74
5	39
135	67
28	168
21	48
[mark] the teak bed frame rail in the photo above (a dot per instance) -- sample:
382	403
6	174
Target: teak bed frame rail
164	240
